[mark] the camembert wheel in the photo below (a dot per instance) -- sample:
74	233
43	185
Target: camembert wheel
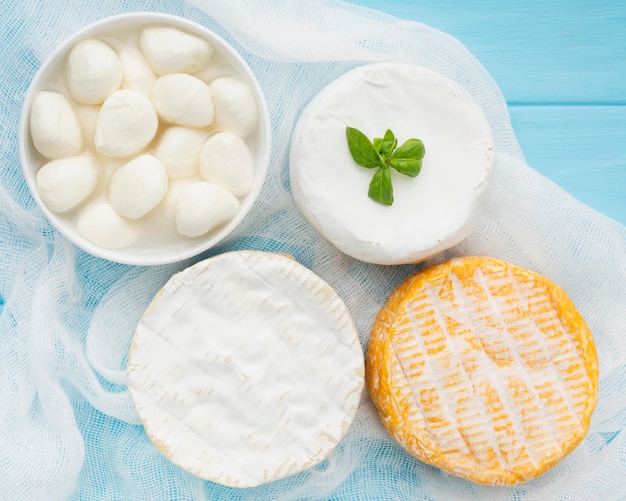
430	212
483	369
246	368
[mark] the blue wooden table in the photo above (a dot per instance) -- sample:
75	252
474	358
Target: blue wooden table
561	66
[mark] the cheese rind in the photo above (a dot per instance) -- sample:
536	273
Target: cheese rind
483	369
431	212
246	368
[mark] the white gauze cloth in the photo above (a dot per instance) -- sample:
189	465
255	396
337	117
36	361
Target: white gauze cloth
68	429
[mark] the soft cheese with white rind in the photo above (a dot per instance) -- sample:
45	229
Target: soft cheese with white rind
169	50
236	109
179	150
184	100
65	183
103	226
431	212
93	70
126	124
138	186
225	159
138	75
201	207
246	368
54	126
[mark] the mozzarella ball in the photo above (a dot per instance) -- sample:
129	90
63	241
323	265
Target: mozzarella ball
225	159
169	50
102	226
178	149
202	207
94	71
126	123
169	201
138	74
184	100
138	186
54	126
236	108
65	183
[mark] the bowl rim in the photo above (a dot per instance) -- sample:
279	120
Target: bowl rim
262	149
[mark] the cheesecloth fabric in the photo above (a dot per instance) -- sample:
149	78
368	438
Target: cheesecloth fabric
68	429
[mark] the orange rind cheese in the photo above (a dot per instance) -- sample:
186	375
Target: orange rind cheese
483	369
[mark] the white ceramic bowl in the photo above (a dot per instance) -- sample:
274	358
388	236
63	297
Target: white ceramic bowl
144	251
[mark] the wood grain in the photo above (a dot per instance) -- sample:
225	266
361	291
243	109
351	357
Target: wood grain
581	148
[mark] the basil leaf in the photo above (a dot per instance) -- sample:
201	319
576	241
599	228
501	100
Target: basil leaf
380	188
411	148
407	166
383	154
361	149
389	144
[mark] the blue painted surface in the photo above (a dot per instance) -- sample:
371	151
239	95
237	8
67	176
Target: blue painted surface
561	66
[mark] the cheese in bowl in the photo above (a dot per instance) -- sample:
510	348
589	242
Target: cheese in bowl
246	368
483	369
145	138
430	211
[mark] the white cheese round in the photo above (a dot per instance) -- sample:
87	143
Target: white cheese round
54	126
431	212
138	186
236	109
65	183
94	71
184	100
169	50
246	368
102	226
126	123
201	207
225	159
179	150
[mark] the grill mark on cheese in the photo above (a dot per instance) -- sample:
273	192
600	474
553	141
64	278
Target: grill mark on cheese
469	365
479	333
425	402
519	381
455	421
558	341
489	389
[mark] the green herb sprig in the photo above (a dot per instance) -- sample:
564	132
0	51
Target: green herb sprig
382	154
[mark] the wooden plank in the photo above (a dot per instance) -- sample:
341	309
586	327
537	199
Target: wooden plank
581	148
555	51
